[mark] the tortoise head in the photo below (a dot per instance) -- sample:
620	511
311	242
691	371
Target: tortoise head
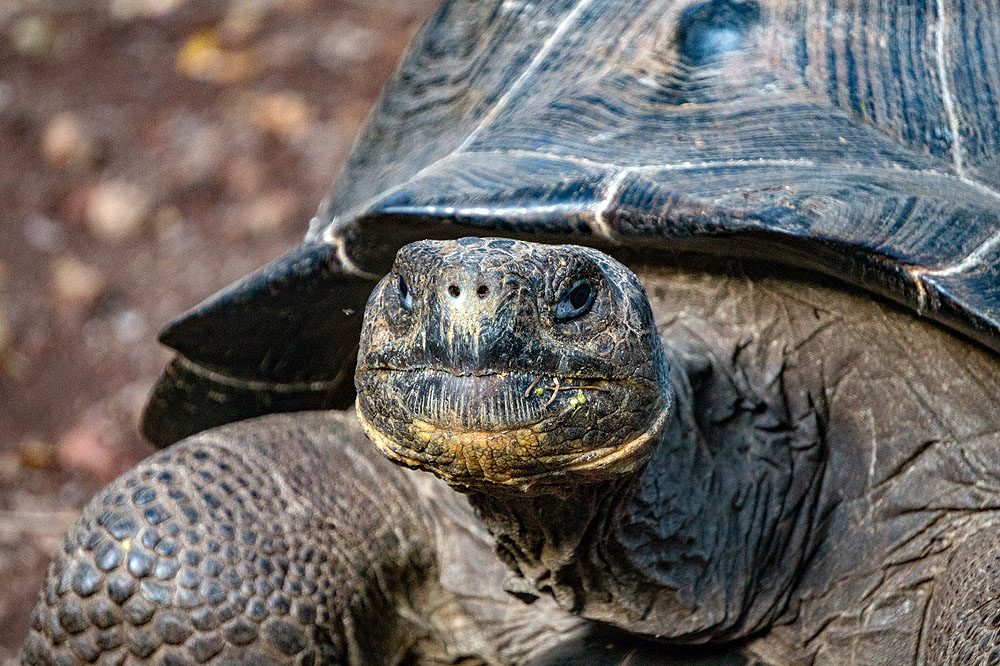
503	365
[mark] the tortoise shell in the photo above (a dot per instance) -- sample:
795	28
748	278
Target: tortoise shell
852	139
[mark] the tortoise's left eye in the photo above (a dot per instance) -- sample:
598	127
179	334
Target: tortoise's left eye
405	295
576	302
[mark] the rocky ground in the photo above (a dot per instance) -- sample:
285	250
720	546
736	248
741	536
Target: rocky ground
151	151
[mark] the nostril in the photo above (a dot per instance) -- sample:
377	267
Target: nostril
483	291
454	291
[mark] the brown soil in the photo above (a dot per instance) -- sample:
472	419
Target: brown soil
151	151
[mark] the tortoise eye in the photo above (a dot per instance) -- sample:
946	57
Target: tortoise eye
405	295
576	301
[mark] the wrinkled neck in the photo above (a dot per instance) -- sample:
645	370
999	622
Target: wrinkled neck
552	540
703	543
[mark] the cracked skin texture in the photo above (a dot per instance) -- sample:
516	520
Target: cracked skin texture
825	493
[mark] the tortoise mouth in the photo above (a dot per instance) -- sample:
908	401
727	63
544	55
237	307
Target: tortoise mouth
490	401
509	429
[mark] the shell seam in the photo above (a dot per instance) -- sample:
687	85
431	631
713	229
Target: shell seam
535	63
974	258
946	98
329	233
345	260
599	224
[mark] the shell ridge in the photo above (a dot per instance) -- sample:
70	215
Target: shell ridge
946	98
600	223
536	62
971	260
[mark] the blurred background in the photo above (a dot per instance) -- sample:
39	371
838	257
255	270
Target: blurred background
151	151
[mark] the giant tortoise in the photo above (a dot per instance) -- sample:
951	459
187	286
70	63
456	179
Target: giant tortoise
784	440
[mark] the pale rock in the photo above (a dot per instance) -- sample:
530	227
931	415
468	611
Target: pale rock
130	326
285	114
32	35
74	283
117	209
65	141
345	44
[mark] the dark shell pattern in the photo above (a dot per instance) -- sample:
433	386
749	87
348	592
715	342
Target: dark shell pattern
853	138
864	135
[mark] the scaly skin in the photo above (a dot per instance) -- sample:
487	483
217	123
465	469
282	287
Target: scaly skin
284	540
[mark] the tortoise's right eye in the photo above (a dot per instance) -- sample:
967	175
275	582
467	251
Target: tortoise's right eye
576	302
405	295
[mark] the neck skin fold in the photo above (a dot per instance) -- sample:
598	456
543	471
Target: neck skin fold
702	544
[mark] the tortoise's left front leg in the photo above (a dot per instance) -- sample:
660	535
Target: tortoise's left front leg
284	540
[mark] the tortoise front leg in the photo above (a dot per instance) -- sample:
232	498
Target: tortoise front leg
280	541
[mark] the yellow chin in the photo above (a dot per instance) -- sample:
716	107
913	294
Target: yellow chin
511	459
